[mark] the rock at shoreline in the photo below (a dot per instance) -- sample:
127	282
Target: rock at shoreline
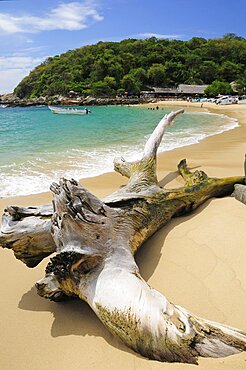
13	101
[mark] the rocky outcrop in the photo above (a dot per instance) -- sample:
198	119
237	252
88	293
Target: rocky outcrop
12	100
240	193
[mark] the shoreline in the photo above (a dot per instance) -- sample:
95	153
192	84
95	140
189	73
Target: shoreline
190	107
197	261
227	149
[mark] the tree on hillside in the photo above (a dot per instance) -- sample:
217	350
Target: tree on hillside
99	70
209	71
130	84
102	88
218	87
144	62
116	70
233	36
241	85
156	74
230	71
140	74
196	42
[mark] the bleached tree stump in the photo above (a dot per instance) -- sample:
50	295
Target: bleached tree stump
95	242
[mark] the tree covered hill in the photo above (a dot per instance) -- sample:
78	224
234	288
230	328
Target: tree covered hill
109	68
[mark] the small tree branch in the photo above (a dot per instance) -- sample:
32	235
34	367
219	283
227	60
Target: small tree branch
154	141
142	173
123	167
27	231
191	178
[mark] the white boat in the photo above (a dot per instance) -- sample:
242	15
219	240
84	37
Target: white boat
59	110
227	100
3	105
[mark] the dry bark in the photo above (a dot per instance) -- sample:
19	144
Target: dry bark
95	241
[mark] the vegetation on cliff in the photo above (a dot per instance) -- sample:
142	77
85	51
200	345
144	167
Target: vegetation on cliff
109	68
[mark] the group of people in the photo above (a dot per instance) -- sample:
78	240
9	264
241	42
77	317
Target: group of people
154	108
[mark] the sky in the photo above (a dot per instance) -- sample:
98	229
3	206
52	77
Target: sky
32	30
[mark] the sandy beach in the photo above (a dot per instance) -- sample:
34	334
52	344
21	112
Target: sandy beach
197	261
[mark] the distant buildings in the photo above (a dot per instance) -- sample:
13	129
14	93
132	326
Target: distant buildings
192	90
182	91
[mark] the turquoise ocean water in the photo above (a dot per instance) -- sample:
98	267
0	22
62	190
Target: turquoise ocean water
38	147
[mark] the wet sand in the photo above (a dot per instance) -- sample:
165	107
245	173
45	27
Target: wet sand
197	261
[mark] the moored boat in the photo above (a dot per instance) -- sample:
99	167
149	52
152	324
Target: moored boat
63	110
227	100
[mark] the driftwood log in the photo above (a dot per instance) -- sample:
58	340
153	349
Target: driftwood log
95	242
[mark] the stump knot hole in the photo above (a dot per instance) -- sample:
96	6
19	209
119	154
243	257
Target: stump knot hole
71	264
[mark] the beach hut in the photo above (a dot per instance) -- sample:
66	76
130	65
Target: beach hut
191	90
160	92
165	92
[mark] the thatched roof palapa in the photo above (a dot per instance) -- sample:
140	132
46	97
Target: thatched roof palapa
182	89
192	89
165	90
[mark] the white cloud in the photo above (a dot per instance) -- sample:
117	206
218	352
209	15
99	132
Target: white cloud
14	69
10	79
158	36
133	36
19	62
72	16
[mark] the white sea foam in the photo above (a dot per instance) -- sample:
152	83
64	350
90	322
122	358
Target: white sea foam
36	175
